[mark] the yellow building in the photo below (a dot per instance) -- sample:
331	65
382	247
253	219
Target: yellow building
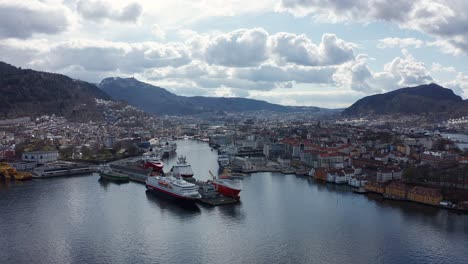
425	195
396	190
373	186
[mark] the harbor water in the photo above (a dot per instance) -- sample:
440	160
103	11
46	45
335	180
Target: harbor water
280	219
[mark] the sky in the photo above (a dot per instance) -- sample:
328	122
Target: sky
326	53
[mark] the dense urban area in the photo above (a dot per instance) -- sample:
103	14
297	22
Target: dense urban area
396	156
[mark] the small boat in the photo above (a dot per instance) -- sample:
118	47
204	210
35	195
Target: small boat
359	190
110	174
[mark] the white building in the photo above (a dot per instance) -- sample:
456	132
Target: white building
340	178
358	181
385	175
40	156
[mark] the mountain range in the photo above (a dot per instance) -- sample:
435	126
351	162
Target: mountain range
29	92
157	100
422	99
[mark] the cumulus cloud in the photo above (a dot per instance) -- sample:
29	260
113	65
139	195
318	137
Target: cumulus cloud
459	85
299	49
86	56
445	20
240	48
98	10
252	47
23	19
400	72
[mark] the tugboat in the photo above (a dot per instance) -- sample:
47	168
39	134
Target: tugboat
227	186
173	187
182	169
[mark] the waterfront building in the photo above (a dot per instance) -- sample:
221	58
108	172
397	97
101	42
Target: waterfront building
340	177
396	190
425	195
40	157
388	174
273	150
372	186
358	181
319	173
243	163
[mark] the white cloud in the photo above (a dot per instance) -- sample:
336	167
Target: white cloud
92	57
400	72
299	49
342	10
410	70
296	73
445	20
437	67
157	31
459	85
240	48
98	10
399	43
23	19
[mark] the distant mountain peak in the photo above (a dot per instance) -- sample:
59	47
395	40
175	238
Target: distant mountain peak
426	98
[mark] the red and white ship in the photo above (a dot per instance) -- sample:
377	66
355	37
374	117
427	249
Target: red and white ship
227	186
173	187
182	169
154	163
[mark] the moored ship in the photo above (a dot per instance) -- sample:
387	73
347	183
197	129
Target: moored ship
168	148
152	162
109	174
182	168
134	172
227	186
223	161
173	187
59	169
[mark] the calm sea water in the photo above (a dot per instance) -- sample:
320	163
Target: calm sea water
281	219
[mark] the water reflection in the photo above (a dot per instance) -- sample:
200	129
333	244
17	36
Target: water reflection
233	211
281	219
4	184
173	205
105	183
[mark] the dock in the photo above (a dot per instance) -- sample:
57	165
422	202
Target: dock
210	195
218	200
